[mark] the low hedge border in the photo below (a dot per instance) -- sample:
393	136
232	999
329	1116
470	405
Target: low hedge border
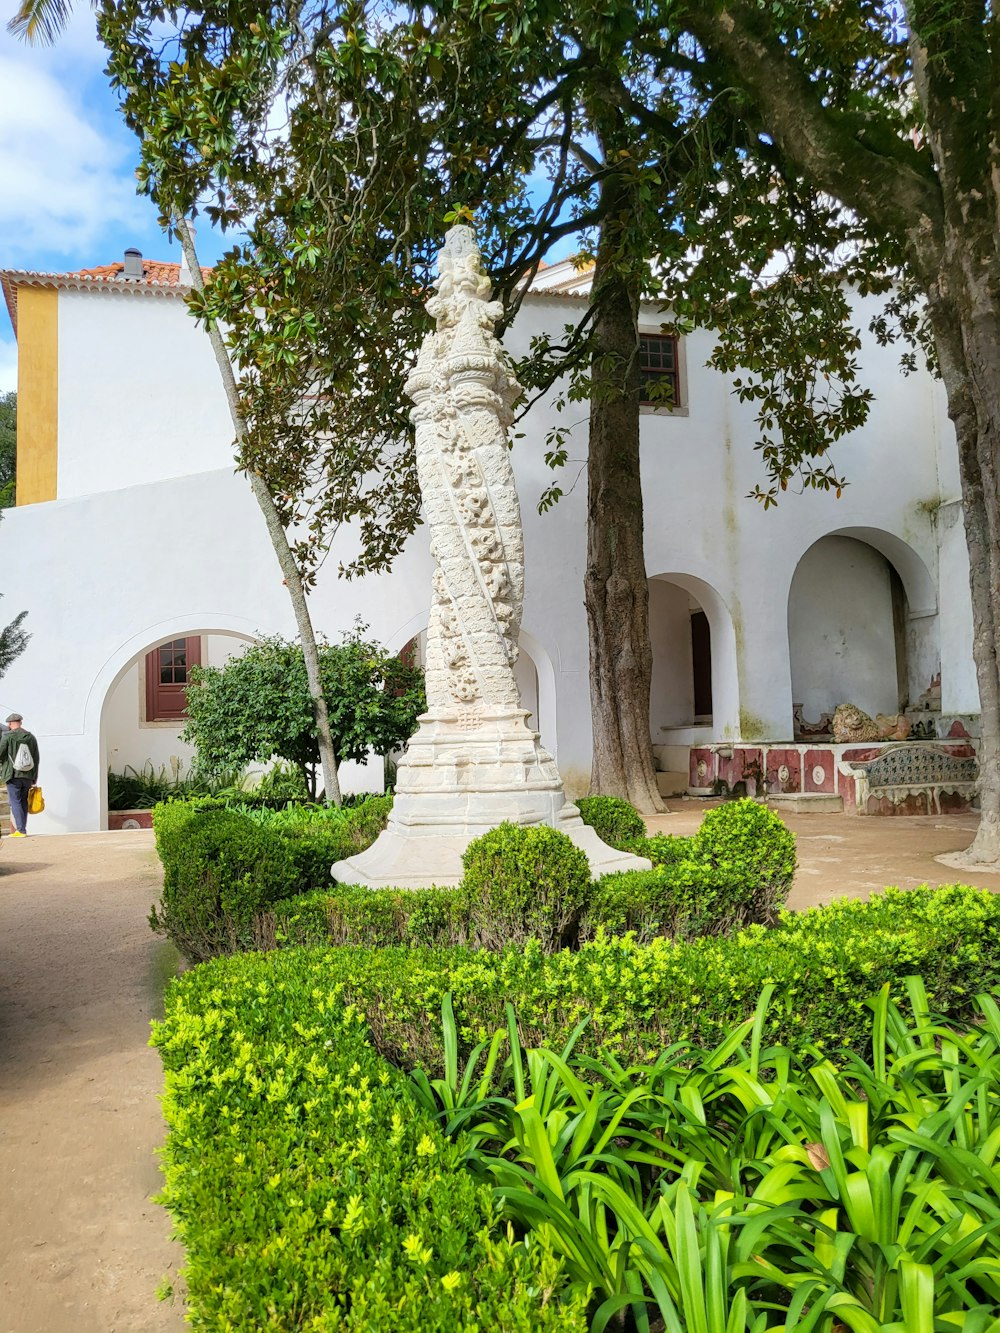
306	1186
311	1192
641	997
523	883
222	866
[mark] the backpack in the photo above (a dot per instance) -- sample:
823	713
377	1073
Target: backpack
23	760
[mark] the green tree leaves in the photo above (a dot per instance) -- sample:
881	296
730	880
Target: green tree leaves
258	705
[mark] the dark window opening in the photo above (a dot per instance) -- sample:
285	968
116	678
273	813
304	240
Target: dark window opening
701	663
659	370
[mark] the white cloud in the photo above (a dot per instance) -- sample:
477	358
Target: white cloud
8	357
65	180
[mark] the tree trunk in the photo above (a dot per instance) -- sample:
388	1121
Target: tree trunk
967	337
279	539
616	592
944	211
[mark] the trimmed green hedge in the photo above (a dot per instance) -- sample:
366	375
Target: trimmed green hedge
308	1189
223	866
640	998
219	871
615	821
523	883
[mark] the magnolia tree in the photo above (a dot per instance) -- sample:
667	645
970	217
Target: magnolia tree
891	109
258	706
746	164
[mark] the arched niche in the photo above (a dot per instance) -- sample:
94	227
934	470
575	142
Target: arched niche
117	713
862	624
533	673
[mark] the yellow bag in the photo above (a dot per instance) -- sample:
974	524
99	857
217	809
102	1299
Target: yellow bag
36	801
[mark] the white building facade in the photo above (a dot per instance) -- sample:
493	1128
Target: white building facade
132	531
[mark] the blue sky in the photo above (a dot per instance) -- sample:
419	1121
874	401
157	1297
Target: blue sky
67	163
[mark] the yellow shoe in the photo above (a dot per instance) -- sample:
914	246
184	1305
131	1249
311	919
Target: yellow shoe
14	833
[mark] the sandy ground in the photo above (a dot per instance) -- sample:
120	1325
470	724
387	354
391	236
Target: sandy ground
82	1246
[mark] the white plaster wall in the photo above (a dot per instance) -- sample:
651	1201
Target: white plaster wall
140	397
959	689
698	470
122	560
840	629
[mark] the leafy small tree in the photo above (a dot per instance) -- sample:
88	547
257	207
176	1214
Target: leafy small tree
13	639
258	706
8	448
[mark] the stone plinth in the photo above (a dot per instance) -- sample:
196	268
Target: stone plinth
464	773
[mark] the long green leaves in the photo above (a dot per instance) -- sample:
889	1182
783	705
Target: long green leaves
746	1189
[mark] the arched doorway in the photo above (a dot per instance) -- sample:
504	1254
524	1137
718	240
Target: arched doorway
142	711
694	693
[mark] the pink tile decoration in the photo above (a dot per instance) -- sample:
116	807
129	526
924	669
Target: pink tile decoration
701	772
784	770
819	771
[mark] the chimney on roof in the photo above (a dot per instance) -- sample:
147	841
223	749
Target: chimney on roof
132	271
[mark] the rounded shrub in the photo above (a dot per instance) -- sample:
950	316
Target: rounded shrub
751	855
524	883
219	870
613	820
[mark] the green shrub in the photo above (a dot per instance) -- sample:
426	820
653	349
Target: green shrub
613	820
309	1190
663	849
319	835
374	918
641	998
648	903
754	855
524	883
364	821
219	871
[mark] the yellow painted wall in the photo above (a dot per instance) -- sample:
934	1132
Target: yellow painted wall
37	393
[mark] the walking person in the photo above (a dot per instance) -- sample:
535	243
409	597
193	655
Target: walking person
19	770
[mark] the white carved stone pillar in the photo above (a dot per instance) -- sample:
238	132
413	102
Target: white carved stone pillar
473	762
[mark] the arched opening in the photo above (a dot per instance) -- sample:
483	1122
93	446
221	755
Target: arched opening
861	627
693	694
144	712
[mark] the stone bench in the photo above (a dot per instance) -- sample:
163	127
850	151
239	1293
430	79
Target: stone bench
910	779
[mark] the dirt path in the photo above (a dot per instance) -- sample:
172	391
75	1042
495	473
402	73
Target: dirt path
82	1246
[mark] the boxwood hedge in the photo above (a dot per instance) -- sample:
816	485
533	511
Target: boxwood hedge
308	1190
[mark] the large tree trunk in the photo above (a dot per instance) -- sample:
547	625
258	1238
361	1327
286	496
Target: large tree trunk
615	589
966	325
279	540
944	212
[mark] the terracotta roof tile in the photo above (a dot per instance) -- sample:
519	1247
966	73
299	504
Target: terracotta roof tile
153	271
157	277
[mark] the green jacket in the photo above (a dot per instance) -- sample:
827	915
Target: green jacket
9	742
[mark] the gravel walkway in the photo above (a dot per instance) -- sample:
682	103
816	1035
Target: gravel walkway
82	1246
